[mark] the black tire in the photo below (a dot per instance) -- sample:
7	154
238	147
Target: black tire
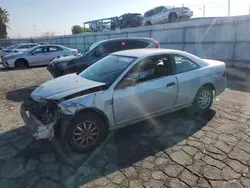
198	107
173	17
148	23
21	64
128	25
72	135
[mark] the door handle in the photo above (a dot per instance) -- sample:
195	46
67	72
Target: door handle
170	84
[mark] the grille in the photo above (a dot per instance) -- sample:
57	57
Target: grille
42	111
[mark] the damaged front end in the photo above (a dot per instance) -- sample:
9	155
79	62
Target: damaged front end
40	117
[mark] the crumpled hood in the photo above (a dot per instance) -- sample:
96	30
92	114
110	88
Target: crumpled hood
63	86
64	59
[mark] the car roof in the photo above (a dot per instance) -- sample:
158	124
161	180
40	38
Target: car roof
22	44
148	52
130	38
145	52
44	45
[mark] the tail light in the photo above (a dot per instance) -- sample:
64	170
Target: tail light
75	52
157	44
224	74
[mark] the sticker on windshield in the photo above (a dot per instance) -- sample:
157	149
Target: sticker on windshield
126	59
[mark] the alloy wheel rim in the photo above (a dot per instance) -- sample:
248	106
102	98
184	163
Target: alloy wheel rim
204	99
85	134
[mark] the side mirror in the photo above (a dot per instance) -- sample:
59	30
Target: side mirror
32	53
127	82
98	53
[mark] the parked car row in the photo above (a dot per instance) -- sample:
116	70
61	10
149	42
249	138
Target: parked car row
157	15
36	56
16	48
95	52
115	83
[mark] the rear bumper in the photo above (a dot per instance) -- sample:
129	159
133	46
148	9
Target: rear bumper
55	72
220	86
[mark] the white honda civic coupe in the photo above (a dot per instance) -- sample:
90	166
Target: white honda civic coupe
119	90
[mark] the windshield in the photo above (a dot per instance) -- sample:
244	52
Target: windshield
92	46
33	48
108	69
12	46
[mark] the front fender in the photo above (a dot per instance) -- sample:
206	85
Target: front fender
72	106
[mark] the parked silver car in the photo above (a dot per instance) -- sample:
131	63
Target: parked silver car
163	14
17	48
121	89
39	55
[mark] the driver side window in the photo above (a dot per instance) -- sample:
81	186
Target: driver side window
38	50
146	70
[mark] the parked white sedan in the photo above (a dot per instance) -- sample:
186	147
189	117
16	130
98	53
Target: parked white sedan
17	48
163	14
39	55
121	89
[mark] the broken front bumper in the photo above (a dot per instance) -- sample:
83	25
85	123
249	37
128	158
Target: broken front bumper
37	128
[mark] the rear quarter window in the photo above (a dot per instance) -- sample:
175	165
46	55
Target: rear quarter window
112	47
184	64
136	44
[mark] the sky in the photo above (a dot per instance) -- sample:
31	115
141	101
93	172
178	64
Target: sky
30	18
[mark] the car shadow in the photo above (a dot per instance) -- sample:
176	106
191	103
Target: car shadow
5	69
238	79
20	95
51	162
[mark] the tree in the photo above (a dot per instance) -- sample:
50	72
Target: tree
76	29
4	20
86	30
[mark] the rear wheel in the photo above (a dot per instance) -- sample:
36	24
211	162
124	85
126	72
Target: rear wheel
128	25
20	63
148	23
203	101
173	17
85	133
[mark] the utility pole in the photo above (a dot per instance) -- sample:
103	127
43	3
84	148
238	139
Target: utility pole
228	6
35	30
204	9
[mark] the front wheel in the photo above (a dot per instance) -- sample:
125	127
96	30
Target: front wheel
85	133
21	64
173	17
203	101
148	23
128	25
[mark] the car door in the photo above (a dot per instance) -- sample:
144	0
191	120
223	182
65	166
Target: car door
37	56
153	17
162	14
52	52
187	74
154	93
156	18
